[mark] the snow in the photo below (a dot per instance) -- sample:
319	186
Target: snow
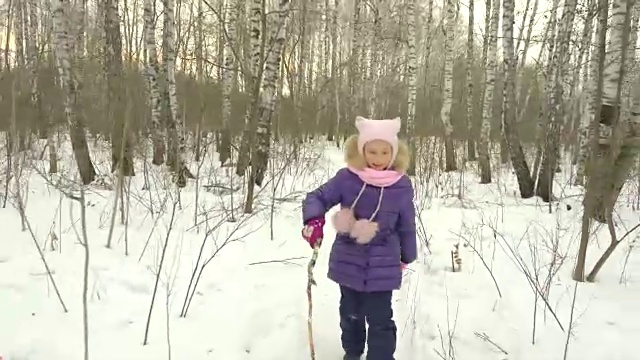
250	301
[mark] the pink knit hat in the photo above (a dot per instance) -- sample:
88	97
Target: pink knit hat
387	130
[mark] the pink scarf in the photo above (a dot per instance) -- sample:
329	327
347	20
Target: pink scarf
381	178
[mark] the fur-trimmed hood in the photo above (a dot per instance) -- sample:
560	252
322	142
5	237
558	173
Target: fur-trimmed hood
353	157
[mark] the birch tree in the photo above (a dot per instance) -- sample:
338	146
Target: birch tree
176	140
558	69
267	95
525	50
583	92
335	70
201	76
121	148
152	69
227	80
253	69
518	161
471	145
598	60
355	75
62	41
447	91
18	137
543	119
484	160
617	152
411	81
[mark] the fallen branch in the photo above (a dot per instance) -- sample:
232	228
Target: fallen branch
285	261
485	337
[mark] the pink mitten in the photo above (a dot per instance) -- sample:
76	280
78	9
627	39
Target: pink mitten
403	266
343	220
313	232
364	231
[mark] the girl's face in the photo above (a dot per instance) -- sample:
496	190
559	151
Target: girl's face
377	154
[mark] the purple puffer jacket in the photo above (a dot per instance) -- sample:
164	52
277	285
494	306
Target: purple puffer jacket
376	265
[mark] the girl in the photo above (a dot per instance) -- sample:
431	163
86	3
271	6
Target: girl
376	234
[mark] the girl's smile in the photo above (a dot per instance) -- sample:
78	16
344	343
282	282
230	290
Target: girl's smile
378	154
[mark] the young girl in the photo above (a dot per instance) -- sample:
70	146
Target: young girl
376	234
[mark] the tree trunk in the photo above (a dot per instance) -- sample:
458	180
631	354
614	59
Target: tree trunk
445	112
618	139
121	147
252	79
69	81
267	95
471	146
484	160
174	123
157	130
558	69
411	82
227	82
518	161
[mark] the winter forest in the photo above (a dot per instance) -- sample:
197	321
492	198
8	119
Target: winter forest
154	155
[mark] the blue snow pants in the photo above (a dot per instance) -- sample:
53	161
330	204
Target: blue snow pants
374	308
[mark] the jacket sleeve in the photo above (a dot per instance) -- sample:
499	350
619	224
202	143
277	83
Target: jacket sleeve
407	228
320	200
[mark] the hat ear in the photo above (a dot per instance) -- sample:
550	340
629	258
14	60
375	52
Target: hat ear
360	121
397	124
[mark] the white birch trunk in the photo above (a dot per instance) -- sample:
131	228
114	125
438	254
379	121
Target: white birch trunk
484	160
411	80
471	146
555	91
447	96
175	125
152	69
62	43
267	95
254	68
518	161
227	80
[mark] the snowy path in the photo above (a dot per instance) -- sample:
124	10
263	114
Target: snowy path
250	305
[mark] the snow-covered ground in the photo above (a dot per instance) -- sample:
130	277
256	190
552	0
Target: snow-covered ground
250	299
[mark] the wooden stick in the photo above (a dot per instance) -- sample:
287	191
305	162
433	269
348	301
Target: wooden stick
311	282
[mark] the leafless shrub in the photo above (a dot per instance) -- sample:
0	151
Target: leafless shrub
573	307
84	240
19	172
219	243
159	271
522	265
422	193
22	210
553	258
278	171
447	351
468	243
203	151
76	193
630	249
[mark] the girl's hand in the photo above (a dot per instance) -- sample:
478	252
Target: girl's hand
313	233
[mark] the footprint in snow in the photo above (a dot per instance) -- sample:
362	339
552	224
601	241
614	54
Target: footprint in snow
12	286
135	288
